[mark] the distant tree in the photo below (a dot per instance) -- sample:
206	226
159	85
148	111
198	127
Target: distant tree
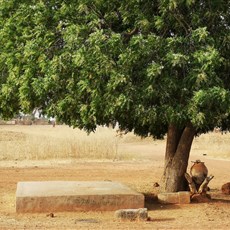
155	67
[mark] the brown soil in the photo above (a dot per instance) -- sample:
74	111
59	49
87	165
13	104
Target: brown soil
140	174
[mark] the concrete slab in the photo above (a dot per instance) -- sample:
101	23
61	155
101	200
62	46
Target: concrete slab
59	196
174	198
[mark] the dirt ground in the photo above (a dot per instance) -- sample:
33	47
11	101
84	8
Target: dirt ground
138	173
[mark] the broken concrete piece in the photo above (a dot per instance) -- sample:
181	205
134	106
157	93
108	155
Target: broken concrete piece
140	214
184	197
174	198
59	196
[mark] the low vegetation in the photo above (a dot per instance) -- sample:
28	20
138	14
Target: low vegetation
36	142
62	142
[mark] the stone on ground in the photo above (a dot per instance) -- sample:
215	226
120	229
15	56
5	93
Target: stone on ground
140	214
226	188
59	196
174	198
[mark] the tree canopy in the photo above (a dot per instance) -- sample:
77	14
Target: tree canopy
145	64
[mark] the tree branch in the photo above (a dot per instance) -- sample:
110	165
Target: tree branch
181	21
127	35
204	186
186	140
173	138
191	183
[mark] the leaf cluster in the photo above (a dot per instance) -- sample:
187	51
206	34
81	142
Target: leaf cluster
144	64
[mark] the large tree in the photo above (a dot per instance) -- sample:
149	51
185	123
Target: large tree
155	67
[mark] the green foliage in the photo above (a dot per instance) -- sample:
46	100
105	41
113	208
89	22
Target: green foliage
145	64
216	100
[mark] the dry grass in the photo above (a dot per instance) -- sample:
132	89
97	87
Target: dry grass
62	142
213	144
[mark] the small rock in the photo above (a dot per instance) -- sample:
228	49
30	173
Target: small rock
156	184
50	215
132	214
226	188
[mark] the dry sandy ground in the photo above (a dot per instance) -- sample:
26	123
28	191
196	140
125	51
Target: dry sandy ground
140	174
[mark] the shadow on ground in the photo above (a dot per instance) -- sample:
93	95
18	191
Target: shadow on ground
151	203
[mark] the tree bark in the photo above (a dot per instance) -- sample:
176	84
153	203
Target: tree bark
178	148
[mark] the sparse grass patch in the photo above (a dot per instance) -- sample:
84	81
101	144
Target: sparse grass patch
213	144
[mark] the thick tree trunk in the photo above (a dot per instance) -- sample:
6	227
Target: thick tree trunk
178	147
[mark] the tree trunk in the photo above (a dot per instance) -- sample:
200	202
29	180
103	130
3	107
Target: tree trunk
179	142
